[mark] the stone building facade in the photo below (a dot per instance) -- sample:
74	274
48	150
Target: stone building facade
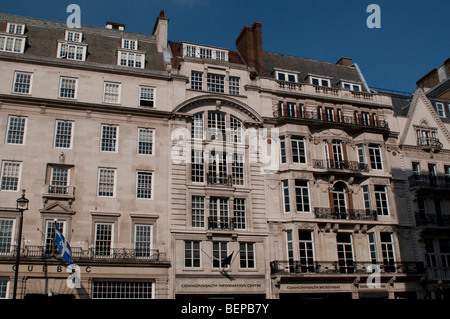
178	170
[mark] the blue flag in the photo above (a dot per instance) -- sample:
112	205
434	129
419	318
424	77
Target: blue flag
63	245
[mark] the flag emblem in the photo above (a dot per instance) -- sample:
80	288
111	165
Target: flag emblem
63	245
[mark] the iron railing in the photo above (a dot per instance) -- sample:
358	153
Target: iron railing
338	119
219	179
91	254
341	165
348	267
427	180
216	222
351	214
429	142
423	219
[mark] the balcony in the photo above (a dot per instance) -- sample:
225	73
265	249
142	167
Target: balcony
345	214
429	181
352	123
222	179
423	219
340	267
353	166
438	273
221	223
124	255
429	144
59	192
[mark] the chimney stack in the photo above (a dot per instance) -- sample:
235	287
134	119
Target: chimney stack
160	30
249	45
344	61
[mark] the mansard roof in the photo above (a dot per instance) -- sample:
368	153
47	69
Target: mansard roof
305	67
43	36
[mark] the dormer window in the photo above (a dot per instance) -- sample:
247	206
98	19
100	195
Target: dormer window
13	40
73	36
286	76
197	51
320	81
15	28
129	44
351	86
72	47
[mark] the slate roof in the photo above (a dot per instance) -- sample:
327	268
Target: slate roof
43	36
307	67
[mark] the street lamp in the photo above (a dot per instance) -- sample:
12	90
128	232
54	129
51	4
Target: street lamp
21	205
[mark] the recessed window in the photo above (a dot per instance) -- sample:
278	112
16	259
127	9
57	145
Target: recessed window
215	83
146	96
320	81
196	80
106	182
131	59
111	92
144	186
375	157
16	130
109	138
10	176
381	200
234	85
192	254
145	141
285	76
103	239
198	211
67	88
63	134
22	83
440	109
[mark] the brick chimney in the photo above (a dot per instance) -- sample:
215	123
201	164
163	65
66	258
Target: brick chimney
344	61
249	45
160	30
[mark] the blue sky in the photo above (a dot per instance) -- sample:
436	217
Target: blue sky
413	38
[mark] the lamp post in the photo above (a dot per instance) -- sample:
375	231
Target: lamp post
21	205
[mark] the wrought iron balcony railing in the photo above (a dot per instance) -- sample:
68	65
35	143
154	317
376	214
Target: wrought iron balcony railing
341	165
59	191
219	179
425	219
429	143
225	223
335	119
92	254
351	214
426	180
344	267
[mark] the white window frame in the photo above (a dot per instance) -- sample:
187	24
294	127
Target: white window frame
320	80
222	254
198	210
298	144
152	142
303	189
375	149
114	170
18	75
112	246
66	48
55	186
72	125
75	87
150	228
440	109
152	184
73	36
215	83
18	177
196	80
240	212
287	76
234	85
379	199
109	93
13	28
5	250
115	138
12	43
285	194
147	94
202	52
351	86
191	251
133	59
24	133
129	44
